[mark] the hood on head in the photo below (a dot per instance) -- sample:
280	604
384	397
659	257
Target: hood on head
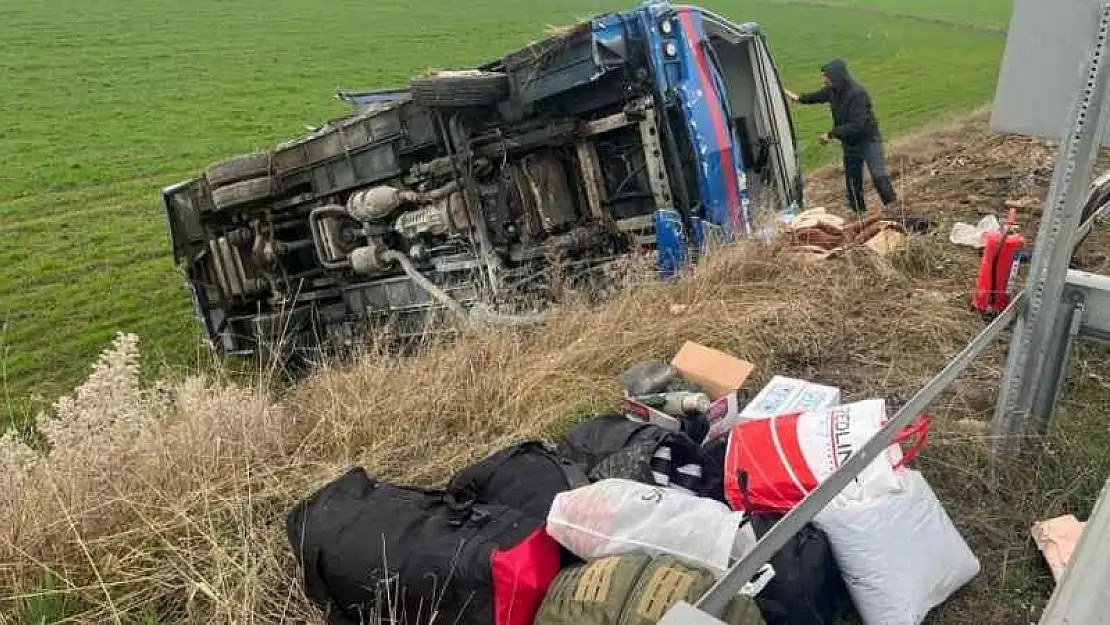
837	71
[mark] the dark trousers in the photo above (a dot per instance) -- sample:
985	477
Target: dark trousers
872	155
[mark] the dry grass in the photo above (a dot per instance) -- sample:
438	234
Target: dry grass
174	496
134	497
136	504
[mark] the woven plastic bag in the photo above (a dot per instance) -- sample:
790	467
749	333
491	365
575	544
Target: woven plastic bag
900	555
784	458
621	517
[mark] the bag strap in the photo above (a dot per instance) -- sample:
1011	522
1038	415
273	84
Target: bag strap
745	495
483	472
574	473
458	510
759	582
916	435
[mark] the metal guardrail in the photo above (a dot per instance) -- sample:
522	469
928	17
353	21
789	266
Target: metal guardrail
1077	596
1027	393
717	599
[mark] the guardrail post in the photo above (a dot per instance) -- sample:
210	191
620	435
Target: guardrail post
1024	402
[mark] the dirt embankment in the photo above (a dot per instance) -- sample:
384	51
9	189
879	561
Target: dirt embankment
957	170
169	500
963	171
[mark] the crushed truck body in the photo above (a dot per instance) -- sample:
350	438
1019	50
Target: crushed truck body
658	128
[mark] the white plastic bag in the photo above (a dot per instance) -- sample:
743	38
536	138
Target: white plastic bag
972	236
619	517
899	554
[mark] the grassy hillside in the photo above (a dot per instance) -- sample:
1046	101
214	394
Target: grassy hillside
106	101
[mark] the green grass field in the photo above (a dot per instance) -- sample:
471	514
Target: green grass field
962	11
106	101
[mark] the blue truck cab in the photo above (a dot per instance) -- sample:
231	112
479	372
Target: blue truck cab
663	128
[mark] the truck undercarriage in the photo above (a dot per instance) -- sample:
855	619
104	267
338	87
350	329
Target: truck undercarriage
487	189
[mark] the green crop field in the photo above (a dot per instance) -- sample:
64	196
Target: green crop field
106	101
961	11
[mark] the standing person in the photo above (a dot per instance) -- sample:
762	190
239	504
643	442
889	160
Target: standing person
854	124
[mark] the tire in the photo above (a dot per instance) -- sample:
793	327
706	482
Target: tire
243	192
238	169
460	89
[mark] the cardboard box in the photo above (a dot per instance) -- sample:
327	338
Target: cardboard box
723	415
716	373
784	395
641	412
886	242
781	396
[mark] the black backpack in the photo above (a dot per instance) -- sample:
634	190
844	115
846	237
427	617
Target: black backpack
614	446
374	552
807	588
526	477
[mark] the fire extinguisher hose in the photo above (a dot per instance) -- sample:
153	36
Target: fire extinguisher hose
993	290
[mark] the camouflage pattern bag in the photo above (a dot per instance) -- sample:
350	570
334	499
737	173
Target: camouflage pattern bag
632	590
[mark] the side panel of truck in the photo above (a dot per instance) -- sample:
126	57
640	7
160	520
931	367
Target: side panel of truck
678	49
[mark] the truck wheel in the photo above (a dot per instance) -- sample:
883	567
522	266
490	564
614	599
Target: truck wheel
460	89
238	168
243	192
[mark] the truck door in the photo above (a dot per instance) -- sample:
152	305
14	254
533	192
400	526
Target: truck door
761	116
784	153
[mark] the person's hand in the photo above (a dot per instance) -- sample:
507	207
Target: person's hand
793	97
825	138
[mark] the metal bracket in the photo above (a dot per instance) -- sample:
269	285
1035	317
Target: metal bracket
683	613
1094	291
656	168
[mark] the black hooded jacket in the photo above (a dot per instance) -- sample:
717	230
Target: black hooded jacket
854	120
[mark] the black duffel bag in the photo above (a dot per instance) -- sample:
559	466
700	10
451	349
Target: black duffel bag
525	477
374	552
614	446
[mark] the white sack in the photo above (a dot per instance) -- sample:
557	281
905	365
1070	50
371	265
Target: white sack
618	517
899	554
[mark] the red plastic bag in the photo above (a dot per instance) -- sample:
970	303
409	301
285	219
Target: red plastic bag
521	575
772	464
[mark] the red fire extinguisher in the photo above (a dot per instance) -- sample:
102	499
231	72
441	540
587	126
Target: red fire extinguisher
997	269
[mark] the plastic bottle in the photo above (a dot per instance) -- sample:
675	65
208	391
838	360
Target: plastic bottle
997	266
677	404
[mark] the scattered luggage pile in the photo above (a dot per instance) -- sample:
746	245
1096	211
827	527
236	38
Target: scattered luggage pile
631	512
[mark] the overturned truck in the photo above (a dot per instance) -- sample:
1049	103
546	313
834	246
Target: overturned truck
654	129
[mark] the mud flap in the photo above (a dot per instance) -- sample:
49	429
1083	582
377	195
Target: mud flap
200	311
